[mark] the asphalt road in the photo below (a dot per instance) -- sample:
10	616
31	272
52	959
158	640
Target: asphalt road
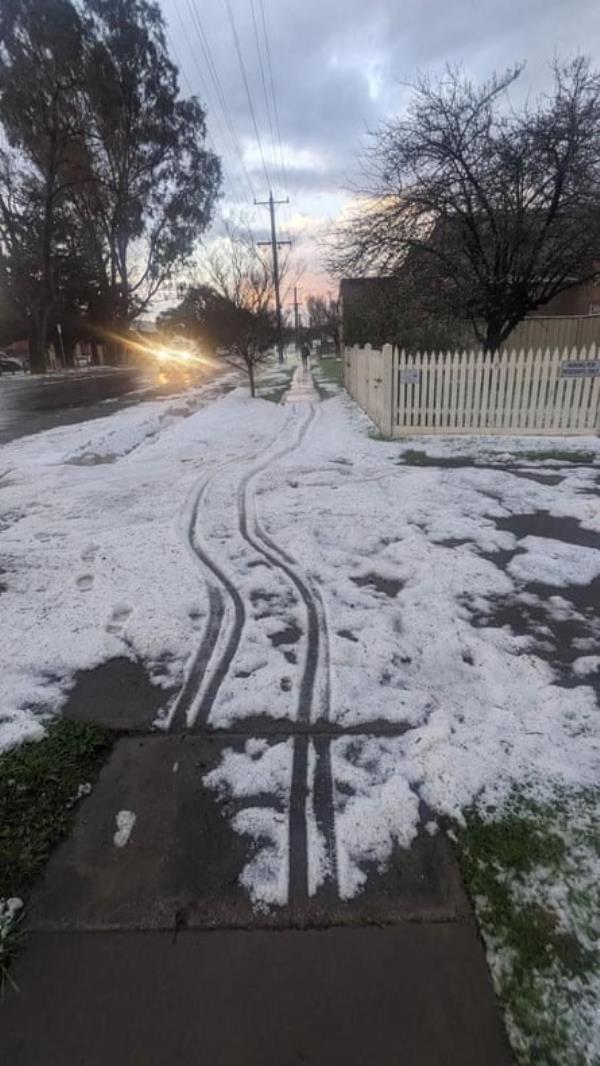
30	404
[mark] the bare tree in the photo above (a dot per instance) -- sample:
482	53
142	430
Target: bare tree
484	211
324	319
236	287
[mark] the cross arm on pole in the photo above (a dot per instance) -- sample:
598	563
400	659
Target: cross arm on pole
267	203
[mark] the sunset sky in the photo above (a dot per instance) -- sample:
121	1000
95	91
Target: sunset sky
339	67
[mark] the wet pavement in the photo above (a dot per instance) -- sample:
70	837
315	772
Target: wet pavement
33	403
302	389
182	866
413	994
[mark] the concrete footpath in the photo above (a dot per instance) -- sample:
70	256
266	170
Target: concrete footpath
147	950
413	994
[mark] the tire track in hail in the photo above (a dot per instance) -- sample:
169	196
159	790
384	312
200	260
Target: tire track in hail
203	680
192	692
317	654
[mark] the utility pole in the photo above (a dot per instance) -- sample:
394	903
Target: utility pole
296	318
275	245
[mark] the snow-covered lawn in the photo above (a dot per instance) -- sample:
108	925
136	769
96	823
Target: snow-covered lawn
93	562
414	574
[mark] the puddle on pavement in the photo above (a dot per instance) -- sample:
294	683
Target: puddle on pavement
388	585
118	694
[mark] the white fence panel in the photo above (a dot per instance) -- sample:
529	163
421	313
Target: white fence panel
529	391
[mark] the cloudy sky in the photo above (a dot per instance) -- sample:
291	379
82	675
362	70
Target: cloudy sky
339	67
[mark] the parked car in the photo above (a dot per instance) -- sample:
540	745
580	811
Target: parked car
10	365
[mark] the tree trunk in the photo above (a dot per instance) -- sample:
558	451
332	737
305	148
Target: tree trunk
493	337
37	342
250	366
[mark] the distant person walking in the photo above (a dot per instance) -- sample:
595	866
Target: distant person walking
305	353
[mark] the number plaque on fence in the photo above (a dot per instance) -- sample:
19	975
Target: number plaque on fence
410	375
580	368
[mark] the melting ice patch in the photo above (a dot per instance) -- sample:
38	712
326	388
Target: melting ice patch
261	771
554	562
375	806
125	823
318	865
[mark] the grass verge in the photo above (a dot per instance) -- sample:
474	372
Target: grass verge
40	782
413	457
531	870
328	375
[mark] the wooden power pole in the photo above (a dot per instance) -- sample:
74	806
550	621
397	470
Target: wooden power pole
275	245
296	318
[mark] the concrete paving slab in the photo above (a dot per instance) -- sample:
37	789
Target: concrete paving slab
302	389
410	995
182	862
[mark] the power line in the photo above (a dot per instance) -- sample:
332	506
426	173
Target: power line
282	167
247	87
220	95
264	81
230	173
273	95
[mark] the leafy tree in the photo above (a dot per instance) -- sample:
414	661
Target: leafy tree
107	183
40	109
153	183
486	211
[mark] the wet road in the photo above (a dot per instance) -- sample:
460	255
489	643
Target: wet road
30	404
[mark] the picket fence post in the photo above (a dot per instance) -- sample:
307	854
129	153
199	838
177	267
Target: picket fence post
388	389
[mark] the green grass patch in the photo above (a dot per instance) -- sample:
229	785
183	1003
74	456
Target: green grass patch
531	872
40	783
328	371
413	457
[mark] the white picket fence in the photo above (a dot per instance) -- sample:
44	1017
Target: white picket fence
541	392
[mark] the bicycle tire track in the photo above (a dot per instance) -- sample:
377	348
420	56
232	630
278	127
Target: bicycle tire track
274	558
201	687
317	654
191	693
